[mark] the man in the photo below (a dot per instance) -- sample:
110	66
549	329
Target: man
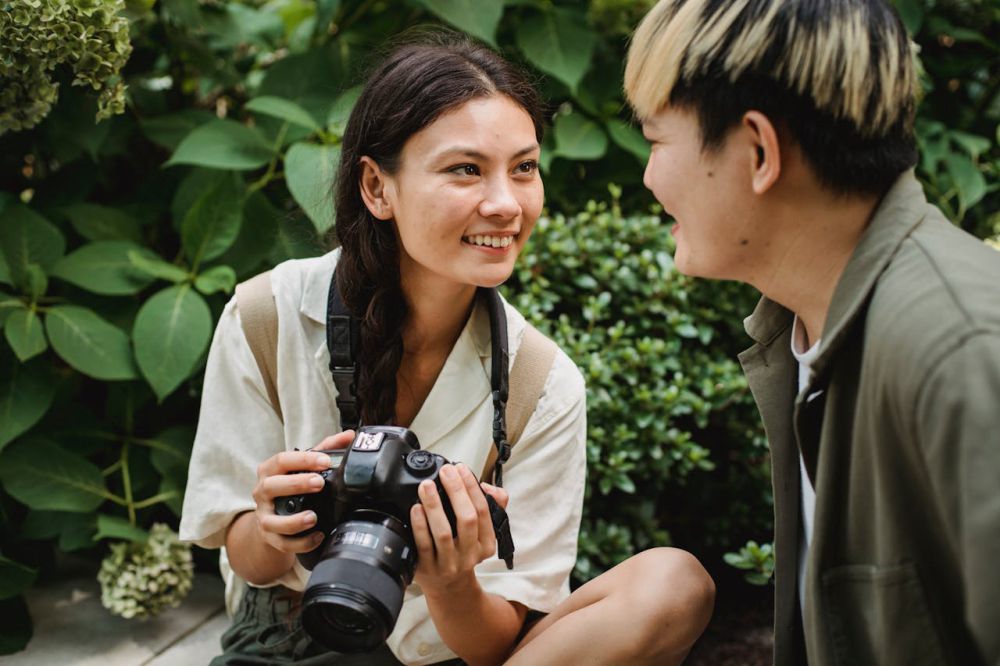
782	144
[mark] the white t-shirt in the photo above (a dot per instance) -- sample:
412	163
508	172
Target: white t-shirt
237	430
808	493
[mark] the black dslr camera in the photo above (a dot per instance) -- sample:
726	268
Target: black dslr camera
368	555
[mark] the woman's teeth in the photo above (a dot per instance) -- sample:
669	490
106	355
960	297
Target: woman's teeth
489	241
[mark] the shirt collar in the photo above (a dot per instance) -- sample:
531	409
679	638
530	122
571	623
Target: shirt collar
899	211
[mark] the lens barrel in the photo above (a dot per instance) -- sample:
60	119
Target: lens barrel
355	593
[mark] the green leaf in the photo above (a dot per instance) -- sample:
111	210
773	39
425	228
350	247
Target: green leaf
43	475
171	332
89	343
16	629
223	144
310	170
479	18
325	11
217	278
15	577
28	238
112	527
7	306
75	530
912	13
213	222
297	239
579	138
4	270
104	267
170	457
972	144
559	43
629	138
152	265
283	109
36	281
340	112
95	222
967	178
26	392
168	131
257	237
23	329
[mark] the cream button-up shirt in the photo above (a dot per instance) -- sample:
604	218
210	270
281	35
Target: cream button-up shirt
238	429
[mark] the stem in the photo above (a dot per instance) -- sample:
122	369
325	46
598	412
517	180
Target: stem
365	6
150	501
127	481
156	445
108	471
269	174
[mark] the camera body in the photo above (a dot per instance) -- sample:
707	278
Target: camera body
368	556
377	474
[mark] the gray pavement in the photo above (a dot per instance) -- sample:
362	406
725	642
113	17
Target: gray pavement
71	627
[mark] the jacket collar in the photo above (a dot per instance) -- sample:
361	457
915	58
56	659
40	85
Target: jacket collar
900	210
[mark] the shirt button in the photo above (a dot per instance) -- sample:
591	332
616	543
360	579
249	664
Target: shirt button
423	649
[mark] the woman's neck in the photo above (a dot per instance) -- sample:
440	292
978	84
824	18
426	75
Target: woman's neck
437	314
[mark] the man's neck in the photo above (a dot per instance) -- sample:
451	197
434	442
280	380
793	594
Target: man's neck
813	241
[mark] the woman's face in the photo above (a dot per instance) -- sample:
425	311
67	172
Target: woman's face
467	194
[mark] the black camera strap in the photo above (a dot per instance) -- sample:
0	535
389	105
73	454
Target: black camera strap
342	335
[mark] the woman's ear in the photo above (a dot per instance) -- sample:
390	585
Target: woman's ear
767	151
373	189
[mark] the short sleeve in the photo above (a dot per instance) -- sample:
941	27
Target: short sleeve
237	429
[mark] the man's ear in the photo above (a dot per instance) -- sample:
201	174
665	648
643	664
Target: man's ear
373	187
767	151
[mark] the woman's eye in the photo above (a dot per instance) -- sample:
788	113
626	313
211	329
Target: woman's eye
465	170
528	166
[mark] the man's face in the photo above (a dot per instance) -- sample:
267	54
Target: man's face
708	194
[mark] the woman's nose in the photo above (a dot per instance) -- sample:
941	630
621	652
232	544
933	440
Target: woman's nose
500	200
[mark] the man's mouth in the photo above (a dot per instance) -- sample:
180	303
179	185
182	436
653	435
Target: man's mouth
482	240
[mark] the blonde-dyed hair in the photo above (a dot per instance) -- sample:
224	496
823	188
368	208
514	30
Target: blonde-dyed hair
846	64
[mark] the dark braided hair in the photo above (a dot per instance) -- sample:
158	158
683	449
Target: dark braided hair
416	83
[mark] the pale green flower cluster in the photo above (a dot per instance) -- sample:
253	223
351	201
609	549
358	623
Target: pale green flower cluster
89	38
138	580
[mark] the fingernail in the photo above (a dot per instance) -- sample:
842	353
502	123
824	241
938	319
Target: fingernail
309	518
429	487
321	459
448	472
316	482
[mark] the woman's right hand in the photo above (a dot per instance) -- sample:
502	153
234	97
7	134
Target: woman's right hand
276	477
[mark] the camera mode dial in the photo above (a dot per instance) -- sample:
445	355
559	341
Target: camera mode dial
421	463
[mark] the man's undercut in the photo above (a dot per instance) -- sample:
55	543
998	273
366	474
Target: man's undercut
839	75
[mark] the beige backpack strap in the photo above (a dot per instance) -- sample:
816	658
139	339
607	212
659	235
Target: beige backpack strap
527	379
259	317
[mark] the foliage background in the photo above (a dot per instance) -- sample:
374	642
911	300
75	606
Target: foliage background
121	240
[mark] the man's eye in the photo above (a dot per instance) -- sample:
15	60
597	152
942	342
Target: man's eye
465	170
528	166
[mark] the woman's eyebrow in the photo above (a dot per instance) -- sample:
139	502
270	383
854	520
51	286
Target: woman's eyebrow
472	153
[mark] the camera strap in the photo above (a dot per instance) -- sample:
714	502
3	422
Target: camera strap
342	339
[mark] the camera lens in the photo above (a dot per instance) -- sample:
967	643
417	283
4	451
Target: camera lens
354	595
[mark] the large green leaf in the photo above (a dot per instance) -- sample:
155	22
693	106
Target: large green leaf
43	475
171	332
15	577
579	138
7	306
967	178
90	344
629	138
149	264
28	238
75	530
559	43
26	391
104	267
170	457
95	222
216	278
223	144
5	277
310	170
213	221
283	109
257	237
23	329
479	18
113	527
297	239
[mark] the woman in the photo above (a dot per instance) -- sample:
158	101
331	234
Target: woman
437	193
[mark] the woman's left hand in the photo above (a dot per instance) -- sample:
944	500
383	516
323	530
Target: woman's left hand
445	561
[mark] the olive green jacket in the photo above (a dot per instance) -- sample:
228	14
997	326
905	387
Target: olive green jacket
902	446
